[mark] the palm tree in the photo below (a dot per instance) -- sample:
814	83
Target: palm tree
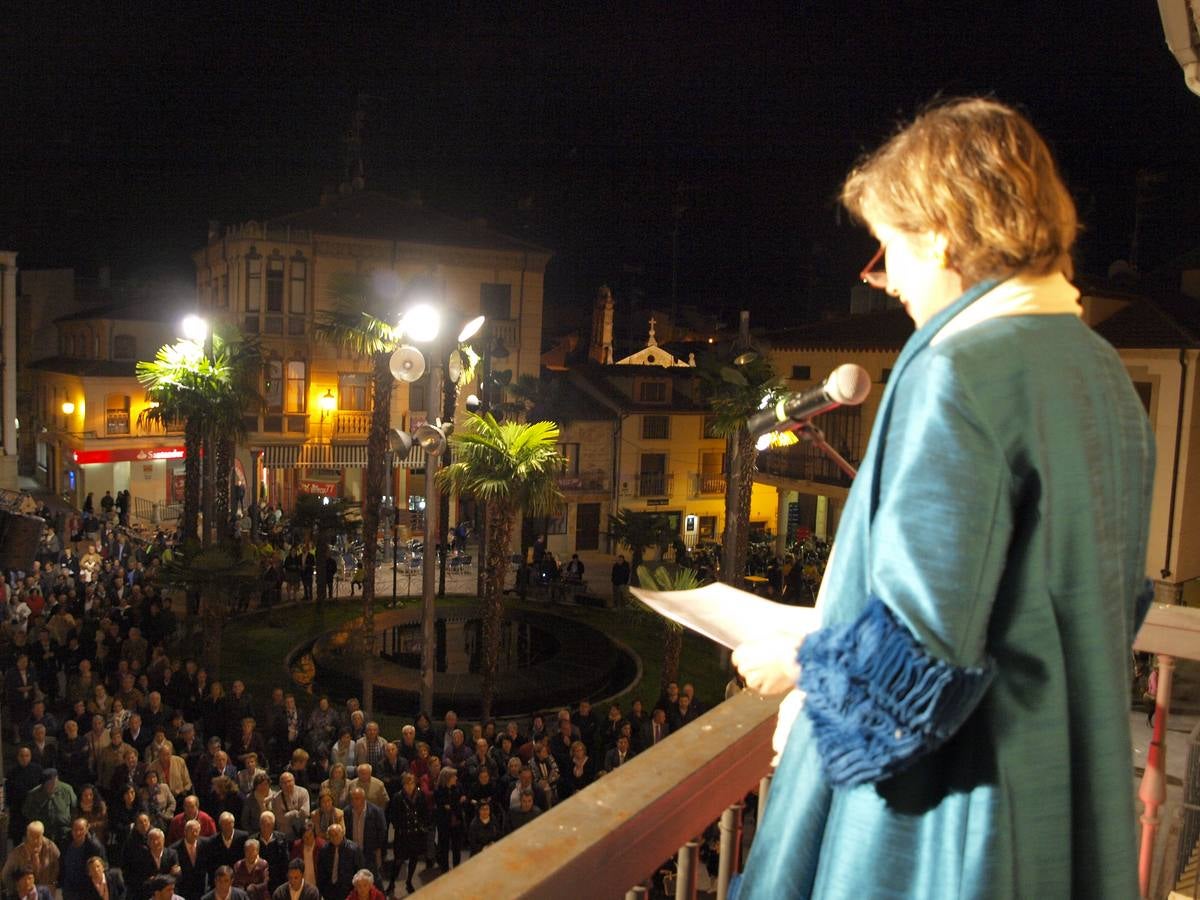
237	363
639	531
735	392
217	573
669	578
359	324
181	384
513	468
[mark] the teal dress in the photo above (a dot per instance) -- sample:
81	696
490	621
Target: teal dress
965	730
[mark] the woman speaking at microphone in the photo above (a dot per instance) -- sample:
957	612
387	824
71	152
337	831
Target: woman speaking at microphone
965	723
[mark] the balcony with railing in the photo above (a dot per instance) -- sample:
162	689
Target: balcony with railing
804	462
708	485
654	484
583	483
610	839
352	424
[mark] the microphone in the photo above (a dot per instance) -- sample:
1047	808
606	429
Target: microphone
847	385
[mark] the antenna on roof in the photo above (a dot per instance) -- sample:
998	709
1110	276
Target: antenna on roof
354	177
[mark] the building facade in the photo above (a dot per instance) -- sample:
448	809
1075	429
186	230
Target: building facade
273	280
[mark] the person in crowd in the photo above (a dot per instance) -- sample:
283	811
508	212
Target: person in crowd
223	887
73	856
251	873
409	816
337	863
366	825
52	803
364	887
25	886
296	886
275	848
449	810
291	806
227	846
93	810
526	812
37	854
306	851
191	811
483	830
103	883
192	880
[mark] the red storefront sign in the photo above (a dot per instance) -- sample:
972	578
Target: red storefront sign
129	454
320	488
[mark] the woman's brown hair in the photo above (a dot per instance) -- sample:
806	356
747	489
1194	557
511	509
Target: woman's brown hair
977	172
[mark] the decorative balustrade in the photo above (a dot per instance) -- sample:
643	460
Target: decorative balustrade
352	424
708	485
585	482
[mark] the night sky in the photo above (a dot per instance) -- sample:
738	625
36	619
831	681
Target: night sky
591	132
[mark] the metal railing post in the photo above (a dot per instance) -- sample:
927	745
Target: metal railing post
686	866
764	787
731	847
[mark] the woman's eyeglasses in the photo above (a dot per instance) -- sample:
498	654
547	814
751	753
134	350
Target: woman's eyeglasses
876	278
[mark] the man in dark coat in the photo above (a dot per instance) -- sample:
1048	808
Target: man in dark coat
337	862
193	877
296	884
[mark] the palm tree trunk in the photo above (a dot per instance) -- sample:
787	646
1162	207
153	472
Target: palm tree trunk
193	438
499	527
747	457
672	650
381	414
220	500
321	537
212	621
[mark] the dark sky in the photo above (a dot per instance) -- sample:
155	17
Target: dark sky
587	131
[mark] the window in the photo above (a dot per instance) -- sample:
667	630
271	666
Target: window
352	391
570	455
275	285
253	283
802	373
273	385
297	387
495	301
656	428
710	428
296	294
652	392
116	414
124	346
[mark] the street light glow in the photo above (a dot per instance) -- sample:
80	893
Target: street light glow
68	407
195	328
471	329
327	401
422	323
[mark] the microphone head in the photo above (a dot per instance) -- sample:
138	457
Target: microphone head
848	384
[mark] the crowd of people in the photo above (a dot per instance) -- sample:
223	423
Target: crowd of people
137	773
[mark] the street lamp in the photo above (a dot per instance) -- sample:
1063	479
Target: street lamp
194	328
421	324
68	407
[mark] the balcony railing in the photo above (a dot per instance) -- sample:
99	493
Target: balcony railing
708	485
608	839
803	462
618	832
654	484
352	424
583	482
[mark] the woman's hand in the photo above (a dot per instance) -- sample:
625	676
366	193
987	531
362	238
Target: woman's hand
768	666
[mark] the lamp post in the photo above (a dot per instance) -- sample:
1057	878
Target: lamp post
327	403
422	324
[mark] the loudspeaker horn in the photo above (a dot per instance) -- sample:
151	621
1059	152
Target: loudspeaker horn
407	364
400	443
430	439
454	367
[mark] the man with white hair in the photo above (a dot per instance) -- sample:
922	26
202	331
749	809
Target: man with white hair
225	847
291	806
193	878
337	862
274	848
37	854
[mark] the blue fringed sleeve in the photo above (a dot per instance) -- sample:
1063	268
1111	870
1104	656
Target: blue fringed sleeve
877	699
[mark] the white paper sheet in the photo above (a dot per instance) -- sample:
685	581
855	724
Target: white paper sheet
729	616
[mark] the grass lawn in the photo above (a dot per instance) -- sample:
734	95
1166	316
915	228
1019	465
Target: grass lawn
255	648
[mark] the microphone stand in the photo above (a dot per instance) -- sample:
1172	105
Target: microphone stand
811	433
